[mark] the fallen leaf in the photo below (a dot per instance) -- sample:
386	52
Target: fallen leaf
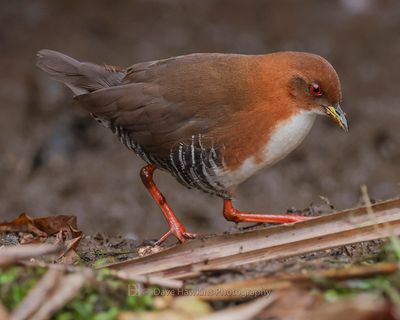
43	227
53	224
23	223
59	229
69	255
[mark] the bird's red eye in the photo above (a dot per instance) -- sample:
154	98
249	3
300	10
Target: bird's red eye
315	90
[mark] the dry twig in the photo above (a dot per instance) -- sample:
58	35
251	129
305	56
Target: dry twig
68	286
337	229
244	311
3	312
38	296
12	254
240	289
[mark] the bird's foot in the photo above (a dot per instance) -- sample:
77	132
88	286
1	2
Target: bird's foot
232	214
179	233
265	218
176	227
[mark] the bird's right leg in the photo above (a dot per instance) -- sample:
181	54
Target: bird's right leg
176	227
232	214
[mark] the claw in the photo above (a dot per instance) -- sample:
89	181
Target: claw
181	236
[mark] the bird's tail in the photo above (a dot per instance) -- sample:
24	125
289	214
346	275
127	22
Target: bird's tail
80	77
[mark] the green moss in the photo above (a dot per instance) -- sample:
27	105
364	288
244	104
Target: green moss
387	286
390	252
381	285
16	282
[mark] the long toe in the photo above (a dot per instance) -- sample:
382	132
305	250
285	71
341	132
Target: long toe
181	236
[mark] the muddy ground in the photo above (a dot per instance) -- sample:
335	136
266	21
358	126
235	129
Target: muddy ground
54	159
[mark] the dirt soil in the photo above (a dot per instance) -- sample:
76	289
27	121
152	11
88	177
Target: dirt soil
102	249
55	159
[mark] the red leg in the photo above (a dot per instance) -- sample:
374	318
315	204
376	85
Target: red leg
232	214
176	227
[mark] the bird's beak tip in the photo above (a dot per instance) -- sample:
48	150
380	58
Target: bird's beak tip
345	128
337	114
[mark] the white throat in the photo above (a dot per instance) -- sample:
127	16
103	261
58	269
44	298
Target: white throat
284	139
288	135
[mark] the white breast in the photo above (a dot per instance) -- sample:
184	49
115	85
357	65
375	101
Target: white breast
285	138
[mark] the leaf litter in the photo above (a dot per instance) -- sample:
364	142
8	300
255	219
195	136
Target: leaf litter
298	284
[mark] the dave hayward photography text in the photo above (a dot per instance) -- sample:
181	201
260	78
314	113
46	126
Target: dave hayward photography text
138	289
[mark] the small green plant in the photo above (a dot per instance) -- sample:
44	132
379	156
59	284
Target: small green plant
16	282
102	299
382	285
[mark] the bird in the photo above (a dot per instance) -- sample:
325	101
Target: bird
211	120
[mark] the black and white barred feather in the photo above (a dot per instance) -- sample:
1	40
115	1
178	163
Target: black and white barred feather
192	163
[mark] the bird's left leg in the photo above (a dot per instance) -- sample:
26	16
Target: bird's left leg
176	227
232	214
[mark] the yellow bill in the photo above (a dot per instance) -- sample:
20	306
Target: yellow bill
337	115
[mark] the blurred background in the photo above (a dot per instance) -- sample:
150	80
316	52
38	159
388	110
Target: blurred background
55	159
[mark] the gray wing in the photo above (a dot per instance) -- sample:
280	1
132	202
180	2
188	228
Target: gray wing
151	121
160	104
163	103
161	132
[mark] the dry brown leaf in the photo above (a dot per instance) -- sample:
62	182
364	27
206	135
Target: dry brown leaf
54	224
13	254
23	223
38	296
62	228
69	255
43	226
333	230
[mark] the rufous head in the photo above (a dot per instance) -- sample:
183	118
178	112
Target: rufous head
314	85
